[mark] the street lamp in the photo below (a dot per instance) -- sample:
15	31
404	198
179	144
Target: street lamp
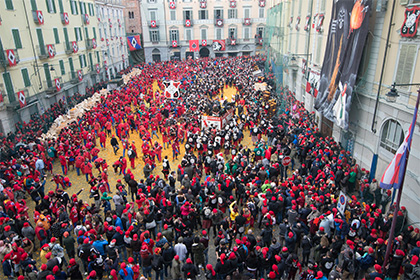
392	95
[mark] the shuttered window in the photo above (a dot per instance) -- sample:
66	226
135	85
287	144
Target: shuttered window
9	4
16	38
33	5
73	6
51	6
9	87
406	62
56	37
25	77
62	68
60	6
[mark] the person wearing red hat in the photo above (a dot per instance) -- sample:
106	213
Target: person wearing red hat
320	276
126	273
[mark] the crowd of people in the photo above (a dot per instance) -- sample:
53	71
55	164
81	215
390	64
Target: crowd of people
227	211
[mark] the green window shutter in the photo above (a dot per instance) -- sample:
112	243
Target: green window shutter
73	74
93	10
97	57
33	5
2	54
41	41
16	38
80	61
84	8
86	33
63	70
72	8
60	6
51	6
9	87
56	37
91	61
54	8
81	8
47	75
94	32
25	76
84	60
66	35
9	6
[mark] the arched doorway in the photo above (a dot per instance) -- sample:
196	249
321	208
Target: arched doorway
246	50
156	55
204	52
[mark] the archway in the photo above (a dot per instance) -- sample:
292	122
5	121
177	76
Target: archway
204	52
156	55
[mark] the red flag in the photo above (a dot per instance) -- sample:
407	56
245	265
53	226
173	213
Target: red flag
22	98
194	46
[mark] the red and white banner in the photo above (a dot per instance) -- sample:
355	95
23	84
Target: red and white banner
204	43
74	46
219	45
174	44
57	84
94	45
194	47
40	17
22	98
172	5
87	19
51	51
66	18
98	69
171	89
153	23
80	75
11	57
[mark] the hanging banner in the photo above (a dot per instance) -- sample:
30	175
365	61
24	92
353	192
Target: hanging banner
346	39
219	45
57	84
341	205
411	22
194	46
134	42
22	98
171	89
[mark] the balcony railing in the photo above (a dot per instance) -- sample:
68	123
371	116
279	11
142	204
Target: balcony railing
90	44
247	21
73	78
67	48
42	51
218	22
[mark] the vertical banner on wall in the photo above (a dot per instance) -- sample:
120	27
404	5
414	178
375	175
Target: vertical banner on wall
346	39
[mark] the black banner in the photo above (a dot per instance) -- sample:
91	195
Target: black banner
346	39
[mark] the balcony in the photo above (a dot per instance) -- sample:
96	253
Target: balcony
42	52
247	21
12	57
38	17
90	44
154	24
232	41
259	41
67	48
65	18
188	23
52	87
218	22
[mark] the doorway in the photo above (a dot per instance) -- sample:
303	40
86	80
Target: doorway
204	52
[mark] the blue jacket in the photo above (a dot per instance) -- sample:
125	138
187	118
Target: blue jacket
100	246
129	276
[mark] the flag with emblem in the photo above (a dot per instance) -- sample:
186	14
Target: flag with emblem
233	42
262	3
66	18
74	46
172	5
219	45
194	46
203	4
153	23
98	69
204	43
51	51
134	42
11	57
22	98
94	45
57	84
232	4
174	43
80	75
187	23
171	89
40	17
87	19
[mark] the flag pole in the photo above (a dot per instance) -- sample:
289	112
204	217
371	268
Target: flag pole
397	205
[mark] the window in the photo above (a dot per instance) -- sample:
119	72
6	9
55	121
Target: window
62	68
173	15
47	75
73	6
406	62
73	74
78	34
232	32
94	32
232	13
91	62
66	35
247	33
322	9
9	6
318	50
247	12
51	6
203	34
9	87
25	77
82	61
33	5
154	36
392	136
86	33
218	14
260	31
188	34
41	41
60	6
98	59
203	14
152	1
82	8
152	14
91	9
218	33
56	38
261	12
187	14
173	35
16	38
130	14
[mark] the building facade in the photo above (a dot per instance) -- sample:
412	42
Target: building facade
48	51
132	16
377	125
222	28
113	42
